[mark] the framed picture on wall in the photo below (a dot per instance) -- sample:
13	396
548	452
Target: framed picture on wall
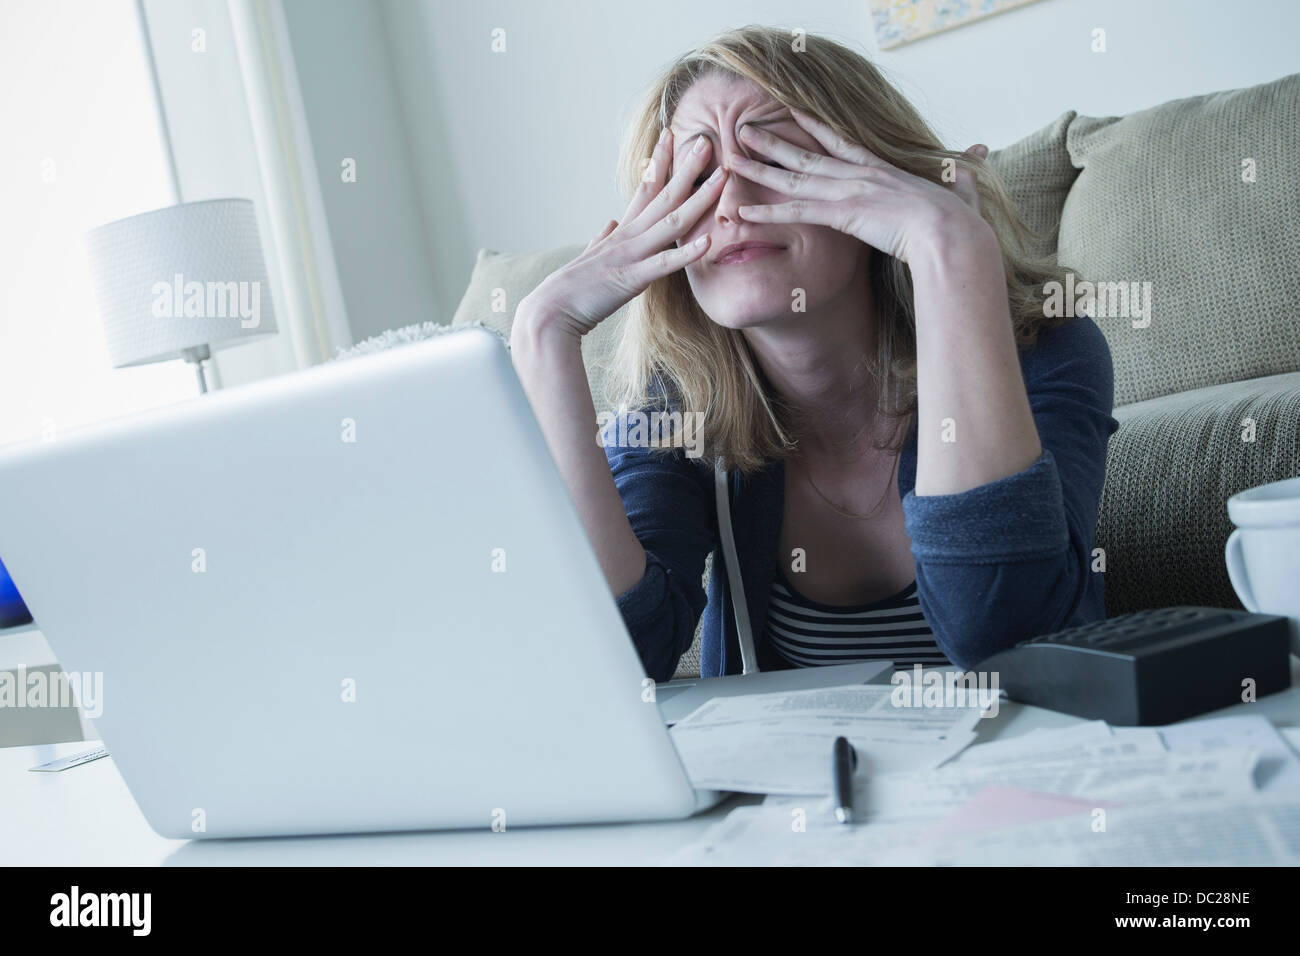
903	21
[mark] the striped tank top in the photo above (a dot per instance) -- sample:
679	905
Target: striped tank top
808	634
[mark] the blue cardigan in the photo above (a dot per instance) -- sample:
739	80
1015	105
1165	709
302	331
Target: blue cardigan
995	564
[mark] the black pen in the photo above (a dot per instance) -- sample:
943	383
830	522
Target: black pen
844	760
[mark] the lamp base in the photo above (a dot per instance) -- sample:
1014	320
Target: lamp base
198	355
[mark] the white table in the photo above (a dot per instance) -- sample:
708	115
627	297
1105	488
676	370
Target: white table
86	817
25	649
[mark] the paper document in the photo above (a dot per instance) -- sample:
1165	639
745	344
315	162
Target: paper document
781	743
1065	743
1001	806
1096	779
760	836
1080	795
1259	829
1292	736
1277	769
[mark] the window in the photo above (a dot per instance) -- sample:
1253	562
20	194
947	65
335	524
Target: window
83	147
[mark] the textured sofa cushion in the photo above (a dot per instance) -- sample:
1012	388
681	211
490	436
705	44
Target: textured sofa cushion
498	283
1037	172
1170	470
1160	198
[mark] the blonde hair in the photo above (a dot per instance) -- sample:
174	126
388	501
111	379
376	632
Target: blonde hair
670	349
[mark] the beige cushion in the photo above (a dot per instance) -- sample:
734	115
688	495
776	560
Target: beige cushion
1038	174
500	281
1159	198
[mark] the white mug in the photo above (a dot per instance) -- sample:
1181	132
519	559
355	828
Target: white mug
1263	551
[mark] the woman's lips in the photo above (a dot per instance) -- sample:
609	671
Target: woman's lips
746	252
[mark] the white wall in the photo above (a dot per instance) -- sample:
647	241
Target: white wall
516	151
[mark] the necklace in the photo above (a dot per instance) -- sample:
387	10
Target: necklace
840	511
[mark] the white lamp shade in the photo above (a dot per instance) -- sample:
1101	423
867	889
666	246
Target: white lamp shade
180	278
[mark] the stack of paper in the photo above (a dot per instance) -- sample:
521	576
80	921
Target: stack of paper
1223	791
781	743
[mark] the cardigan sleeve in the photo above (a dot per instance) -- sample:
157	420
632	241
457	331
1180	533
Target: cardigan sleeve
1012	559
668	498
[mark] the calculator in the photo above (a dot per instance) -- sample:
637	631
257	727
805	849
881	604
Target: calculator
1150	667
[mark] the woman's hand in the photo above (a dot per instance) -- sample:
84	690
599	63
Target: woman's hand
546	345
853	190
626	257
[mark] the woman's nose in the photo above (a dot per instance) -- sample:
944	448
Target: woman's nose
736	191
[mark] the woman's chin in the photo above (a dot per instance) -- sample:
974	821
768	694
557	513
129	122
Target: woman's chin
733	318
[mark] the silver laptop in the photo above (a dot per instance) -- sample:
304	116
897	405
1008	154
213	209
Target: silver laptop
354	598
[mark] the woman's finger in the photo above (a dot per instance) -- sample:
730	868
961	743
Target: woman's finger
609	227
815	212
665	262
677	222
652	176
796	158
692	160
835	144
793	182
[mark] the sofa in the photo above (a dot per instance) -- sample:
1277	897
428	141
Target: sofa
1200	198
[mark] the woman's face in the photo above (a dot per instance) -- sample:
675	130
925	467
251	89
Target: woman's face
745	292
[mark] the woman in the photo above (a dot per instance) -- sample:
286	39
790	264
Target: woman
915	454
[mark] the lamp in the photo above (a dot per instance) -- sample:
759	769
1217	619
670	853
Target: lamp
180	281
